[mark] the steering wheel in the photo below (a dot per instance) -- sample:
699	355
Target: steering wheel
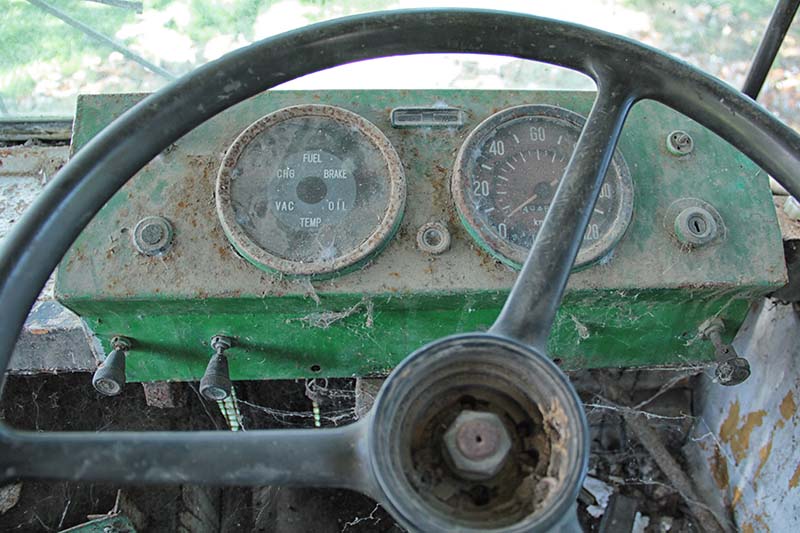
479	383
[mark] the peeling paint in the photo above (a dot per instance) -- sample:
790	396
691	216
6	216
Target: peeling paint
737	496
738	436
788	407
752	455
729	425
762	524
719	469
795	478
763	456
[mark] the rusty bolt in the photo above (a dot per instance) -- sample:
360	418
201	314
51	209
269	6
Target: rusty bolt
153	236
433	238
478	444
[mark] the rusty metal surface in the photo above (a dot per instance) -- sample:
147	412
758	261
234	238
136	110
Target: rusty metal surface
23	129
179	185
24	171
641	305
53	340
748	434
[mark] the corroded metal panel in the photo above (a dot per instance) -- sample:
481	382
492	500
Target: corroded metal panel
52	340
749	433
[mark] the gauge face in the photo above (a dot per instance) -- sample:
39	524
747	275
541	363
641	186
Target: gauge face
310	190
507	172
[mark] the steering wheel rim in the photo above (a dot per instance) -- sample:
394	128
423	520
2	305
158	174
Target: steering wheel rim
624	72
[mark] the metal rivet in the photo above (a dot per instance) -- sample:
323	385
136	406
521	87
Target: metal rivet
433	238
153	236
680	143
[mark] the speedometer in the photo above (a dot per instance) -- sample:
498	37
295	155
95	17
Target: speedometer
310	190
507	172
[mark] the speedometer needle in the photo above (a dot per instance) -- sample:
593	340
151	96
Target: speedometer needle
523	204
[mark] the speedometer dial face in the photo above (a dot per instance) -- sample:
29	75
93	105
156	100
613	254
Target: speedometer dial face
507	172
310	190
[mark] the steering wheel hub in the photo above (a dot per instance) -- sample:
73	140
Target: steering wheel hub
481	432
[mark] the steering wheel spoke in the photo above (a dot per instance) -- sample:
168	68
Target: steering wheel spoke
331	457
530	309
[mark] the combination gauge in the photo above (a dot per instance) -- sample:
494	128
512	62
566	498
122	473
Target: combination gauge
310	190
507	172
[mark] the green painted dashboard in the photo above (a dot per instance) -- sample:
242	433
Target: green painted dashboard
641	305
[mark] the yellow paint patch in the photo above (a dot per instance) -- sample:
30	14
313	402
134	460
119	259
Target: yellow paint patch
736	431
729	425
748	528
737	495
763	455
788	407
795	478
719	469
764	527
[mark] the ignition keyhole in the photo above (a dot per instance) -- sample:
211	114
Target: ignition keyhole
698	225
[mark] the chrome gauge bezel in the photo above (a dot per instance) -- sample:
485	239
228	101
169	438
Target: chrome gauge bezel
503	249
383	230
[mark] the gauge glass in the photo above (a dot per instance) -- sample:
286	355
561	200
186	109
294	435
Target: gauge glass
507	172
310	190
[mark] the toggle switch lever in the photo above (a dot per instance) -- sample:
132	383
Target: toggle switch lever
109	378
216	382
731	369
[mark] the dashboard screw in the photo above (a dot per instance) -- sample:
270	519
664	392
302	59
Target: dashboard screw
680	143
152	236
433	238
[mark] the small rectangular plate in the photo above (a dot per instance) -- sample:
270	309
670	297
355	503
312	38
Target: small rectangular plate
427	117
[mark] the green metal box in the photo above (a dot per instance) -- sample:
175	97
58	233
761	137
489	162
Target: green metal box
640	306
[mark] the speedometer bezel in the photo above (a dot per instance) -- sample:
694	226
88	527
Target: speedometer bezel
502	249
378	238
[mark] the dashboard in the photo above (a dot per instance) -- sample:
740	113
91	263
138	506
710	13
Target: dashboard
331	233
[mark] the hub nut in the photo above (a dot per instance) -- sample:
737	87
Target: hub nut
478	444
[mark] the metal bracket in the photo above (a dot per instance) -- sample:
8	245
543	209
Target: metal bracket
731	369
